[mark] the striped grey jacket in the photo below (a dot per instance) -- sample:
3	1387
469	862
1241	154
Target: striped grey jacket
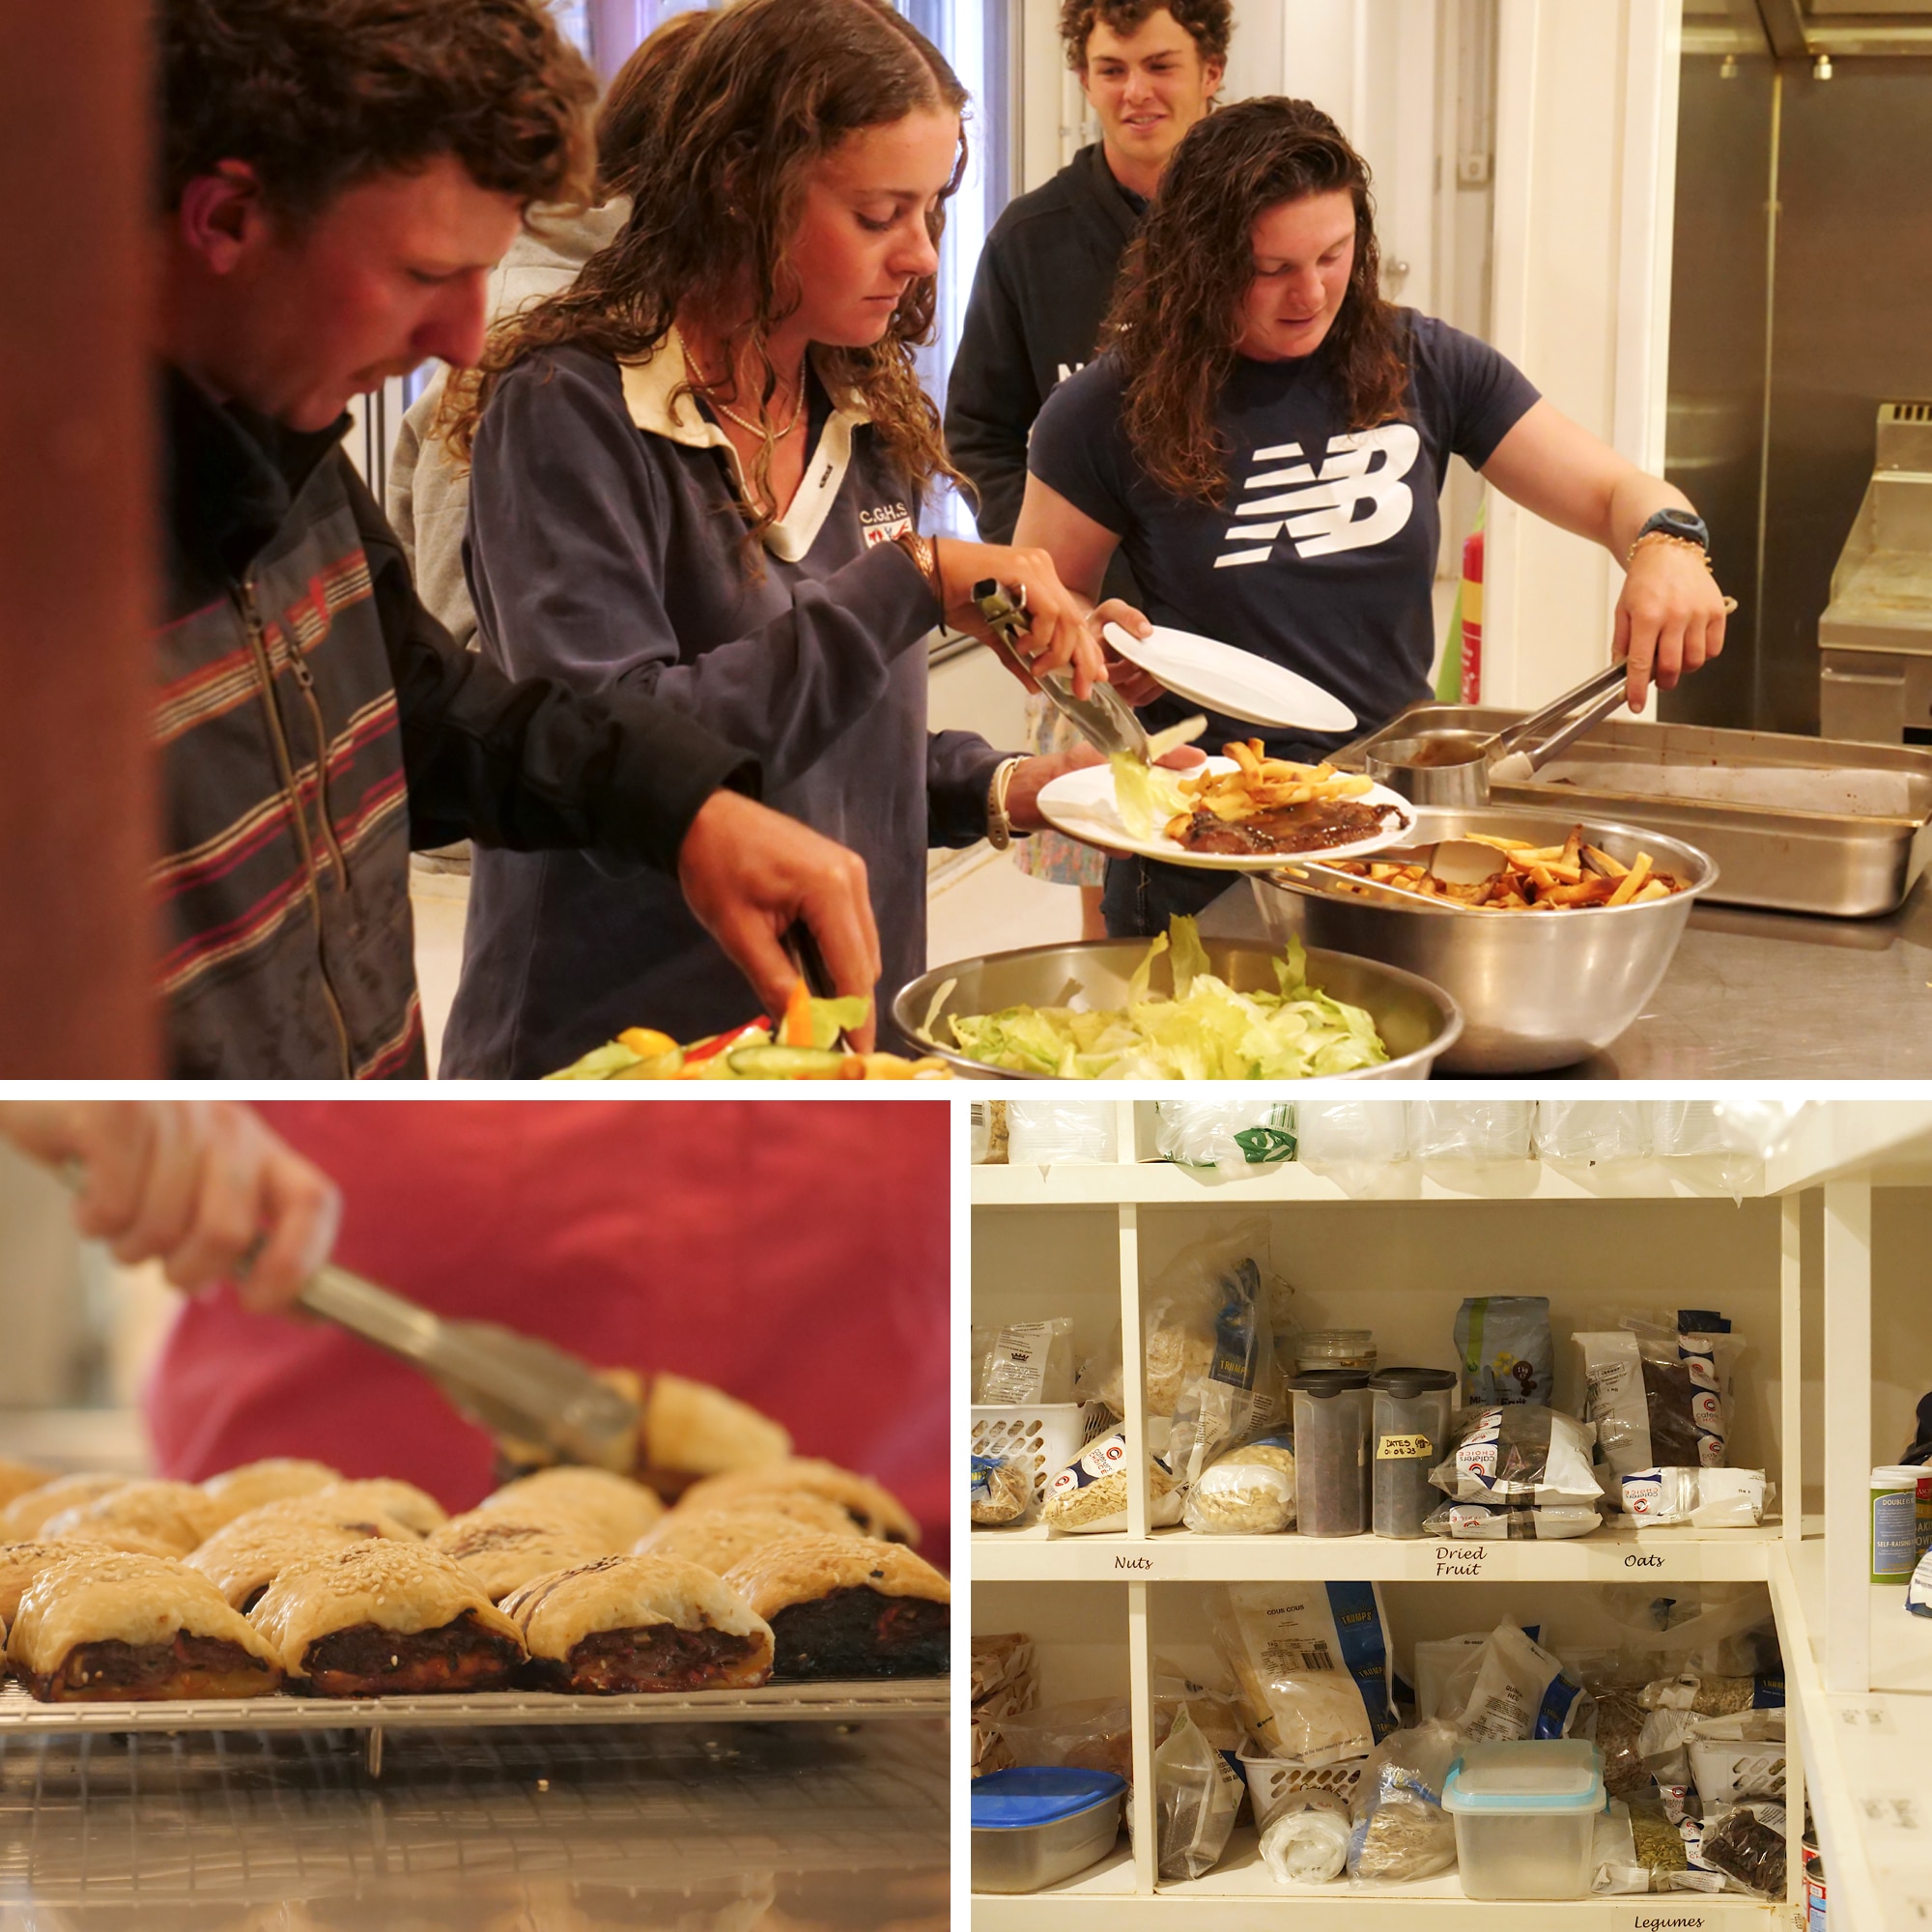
313	722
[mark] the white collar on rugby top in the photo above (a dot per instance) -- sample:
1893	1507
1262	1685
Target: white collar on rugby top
651	386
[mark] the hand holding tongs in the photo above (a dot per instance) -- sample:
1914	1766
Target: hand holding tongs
1105	719
512	1384
1522	753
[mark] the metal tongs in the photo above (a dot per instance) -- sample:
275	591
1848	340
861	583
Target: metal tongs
512	1384
1105	719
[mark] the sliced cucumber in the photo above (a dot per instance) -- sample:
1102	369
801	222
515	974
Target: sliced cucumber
786	1062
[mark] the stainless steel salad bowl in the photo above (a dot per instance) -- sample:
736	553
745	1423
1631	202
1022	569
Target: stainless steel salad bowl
1537	989
1417	1021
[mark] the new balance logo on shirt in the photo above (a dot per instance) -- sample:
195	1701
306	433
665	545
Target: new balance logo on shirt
1357	499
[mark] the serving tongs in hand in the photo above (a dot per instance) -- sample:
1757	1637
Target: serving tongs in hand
513	1385
1104	718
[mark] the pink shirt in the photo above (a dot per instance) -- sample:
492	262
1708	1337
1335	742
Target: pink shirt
792	1252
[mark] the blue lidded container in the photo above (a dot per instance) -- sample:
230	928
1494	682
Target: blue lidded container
1037	1824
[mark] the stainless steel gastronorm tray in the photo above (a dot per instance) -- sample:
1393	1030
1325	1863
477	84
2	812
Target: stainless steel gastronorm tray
1810	825
770	1703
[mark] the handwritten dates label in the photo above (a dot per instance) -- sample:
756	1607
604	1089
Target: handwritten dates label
1461	1559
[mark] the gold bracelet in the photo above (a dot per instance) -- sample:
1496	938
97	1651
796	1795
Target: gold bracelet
999	827
925	553
1666	537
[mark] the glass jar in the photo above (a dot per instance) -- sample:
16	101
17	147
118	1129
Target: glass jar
1408	1430
1331	1451
1352	1349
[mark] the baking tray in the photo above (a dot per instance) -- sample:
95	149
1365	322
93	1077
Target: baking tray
1795	824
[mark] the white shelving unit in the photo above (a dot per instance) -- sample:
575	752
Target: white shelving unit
1648	1224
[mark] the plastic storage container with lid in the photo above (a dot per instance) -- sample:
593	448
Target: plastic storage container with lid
1331	1451
1037	1823
1335	1348
1526	1815
1408	1430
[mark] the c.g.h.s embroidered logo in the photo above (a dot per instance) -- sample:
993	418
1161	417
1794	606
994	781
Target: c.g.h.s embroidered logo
886	524
1318	511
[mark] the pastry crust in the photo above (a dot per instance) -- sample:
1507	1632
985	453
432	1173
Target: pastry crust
95	1600
840	1608
21	1520
616	1504
650	1596
875	1510
19	1564
503	1550
721	1538
399	1588
801	1568
691	1429
416	1510
244	1556
271	1480
802	1509
17	1478
177	1515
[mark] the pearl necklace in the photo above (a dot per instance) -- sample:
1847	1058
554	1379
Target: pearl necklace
761	430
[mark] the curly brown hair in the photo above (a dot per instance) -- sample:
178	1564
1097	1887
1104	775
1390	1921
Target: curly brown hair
770	88
1176	311
1210	22
633	104
317	94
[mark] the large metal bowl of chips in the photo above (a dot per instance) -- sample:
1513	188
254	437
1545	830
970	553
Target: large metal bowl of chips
1417	1021
1538	990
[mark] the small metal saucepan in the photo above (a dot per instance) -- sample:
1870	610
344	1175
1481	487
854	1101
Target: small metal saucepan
1453	768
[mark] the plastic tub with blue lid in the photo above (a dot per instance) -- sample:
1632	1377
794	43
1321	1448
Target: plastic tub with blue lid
1525	1815
1035	1825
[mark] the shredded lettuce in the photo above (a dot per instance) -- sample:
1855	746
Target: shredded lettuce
832	1017
1207	1031
1146	796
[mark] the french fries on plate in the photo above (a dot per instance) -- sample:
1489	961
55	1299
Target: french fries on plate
1260	783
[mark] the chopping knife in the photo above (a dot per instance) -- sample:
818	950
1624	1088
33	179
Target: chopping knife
1104	719
512	1384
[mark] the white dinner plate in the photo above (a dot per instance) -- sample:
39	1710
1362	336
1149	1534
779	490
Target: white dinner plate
1081	805
1230	680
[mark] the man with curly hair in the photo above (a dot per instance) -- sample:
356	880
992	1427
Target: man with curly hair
338	179
1151	70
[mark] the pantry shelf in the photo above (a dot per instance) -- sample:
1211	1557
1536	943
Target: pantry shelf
1239	1896
1161	1183
1615	1553
1864	1752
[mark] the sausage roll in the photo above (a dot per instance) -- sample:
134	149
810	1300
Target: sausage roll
19	1564
244	1557
840	1608
691	1430
21	1520
417	1511
177	1515
722	1538
801	1508
638	1623
875	1510
386	1619
17	1479
503	1550
621	1507
104	1626
273	1480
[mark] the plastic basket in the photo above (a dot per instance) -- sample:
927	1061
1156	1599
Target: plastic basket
1272	1782
1725	1770
1048	1434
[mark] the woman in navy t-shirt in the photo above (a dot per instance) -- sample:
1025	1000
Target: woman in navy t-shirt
1265	440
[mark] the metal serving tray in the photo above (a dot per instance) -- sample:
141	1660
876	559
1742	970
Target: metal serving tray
1795	824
